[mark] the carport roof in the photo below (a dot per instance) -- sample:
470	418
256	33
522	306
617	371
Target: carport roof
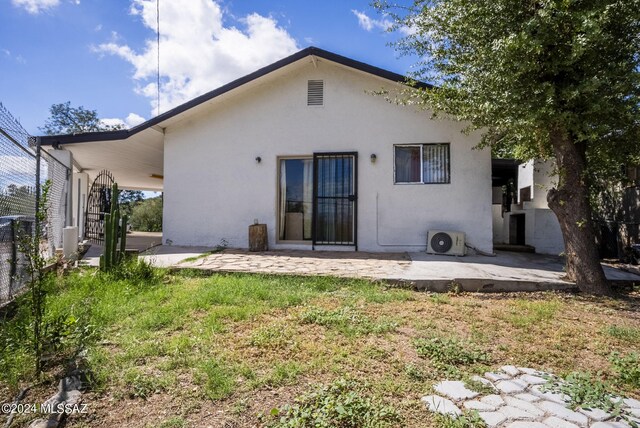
135	156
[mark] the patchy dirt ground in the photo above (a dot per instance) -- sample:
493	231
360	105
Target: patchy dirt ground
202	373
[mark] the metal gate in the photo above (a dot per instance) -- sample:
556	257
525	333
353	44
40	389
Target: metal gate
98	204
335	184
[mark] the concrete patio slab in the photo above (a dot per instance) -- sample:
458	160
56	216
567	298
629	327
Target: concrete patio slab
506	271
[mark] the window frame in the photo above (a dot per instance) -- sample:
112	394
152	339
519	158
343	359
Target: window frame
421	146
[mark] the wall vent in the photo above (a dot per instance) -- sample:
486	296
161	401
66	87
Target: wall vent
315	92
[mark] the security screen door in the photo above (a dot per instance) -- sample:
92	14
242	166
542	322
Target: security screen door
335	198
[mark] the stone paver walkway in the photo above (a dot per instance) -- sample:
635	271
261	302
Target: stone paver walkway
297	262
520	400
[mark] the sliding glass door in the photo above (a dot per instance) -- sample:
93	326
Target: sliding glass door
317	199
335	200
296	199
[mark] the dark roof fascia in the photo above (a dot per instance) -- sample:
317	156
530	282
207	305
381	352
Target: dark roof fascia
53	140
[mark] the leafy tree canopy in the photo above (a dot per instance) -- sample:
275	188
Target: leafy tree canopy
518	69
65	119
542	79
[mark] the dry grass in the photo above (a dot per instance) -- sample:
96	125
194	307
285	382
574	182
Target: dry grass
217	368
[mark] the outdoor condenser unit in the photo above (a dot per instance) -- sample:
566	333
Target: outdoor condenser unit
446	242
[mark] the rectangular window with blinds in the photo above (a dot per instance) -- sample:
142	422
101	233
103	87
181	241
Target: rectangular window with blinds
422	164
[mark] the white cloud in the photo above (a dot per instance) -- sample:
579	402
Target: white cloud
35	6
130	121
114	121
133	119
199	51
368	24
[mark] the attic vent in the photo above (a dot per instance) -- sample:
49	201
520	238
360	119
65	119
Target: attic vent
315	93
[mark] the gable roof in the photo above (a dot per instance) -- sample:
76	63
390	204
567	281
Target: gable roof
310	51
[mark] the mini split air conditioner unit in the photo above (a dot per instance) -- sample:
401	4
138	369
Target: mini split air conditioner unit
444	242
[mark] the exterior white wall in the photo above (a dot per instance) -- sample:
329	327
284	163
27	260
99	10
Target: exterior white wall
214	188
498	225
542	229
79	196
540	176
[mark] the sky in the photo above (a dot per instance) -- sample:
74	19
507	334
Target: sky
101	54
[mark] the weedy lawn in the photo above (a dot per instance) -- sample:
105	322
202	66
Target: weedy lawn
181	350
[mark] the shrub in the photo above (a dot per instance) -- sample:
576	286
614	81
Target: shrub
347	320
627	368
341	404
147	215
446	354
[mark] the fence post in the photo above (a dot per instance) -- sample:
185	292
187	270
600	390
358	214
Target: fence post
36	225
14	258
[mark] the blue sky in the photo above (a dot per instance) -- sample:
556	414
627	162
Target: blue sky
101	53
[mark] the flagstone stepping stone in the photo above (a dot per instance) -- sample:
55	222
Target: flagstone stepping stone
550	396
511	386
523	405
493	400
555	422
533	380
520	400
527	397
514	413
441	405
455	390
485	382
631	402
510	370
595	414
530	371
611	424
519	424
494	377
562	412
492	419
479	406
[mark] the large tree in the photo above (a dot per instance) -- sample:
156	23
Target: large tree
65	119
554	79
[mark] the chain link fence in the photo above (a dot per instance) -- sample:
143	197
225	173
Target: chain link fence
19	169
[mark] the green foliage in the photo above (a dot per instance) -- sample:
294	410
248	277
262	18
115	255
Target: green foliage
147	215
272	336
520	69
174	422
115	230
29	245
347	320
218	378
584	391
342	404
528	313
129	199
448	353
415	372
65	119
142	385
628	334
549	79
627	368
466	420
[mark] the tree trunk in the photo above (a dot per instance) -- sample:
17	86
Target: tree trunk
570	202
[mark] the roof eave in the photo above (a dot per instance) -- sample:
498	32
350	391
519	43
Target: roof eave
54	140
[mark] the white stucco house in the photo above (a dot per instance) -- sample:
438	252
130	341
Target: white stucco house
305	147
527	219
